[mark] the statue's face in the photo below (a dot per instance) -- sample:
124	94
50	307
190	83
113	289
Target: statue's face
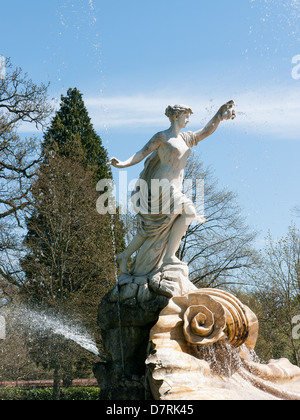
184	119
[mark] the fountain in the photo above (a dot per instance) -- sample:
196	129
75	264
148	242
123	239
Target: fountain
200	349
164	338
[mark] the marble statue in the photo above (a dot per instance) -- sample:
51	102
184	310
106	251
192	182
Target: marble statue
160	231
164	338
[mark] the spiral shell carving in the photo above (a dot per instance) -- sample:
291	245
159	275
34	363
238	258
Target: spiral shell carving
240	323
208	316
201	342
204	320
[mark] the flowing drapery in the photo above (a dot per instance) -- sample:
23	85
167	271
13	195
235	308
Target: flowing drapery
157	212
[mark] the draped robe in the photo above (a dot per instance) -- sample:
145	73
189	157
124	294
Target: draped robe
157	212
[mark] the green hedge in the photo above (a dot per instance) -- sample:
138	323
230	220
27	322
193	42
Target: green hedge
44	394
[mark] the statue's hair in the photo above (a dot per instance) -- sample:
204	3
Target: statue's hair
174	111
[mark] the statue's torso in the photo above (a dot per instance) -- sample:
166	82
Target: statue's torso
173	155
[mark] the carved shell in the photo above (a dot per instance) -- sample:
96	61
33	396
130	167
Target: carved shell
241	323
204	320
208	316
196	353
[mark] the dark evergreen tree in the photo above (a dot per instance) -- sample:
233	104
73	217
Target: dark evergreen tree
69	264
72	126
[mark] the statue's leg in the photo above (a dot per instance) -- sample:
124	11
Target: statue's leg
178	232
134	245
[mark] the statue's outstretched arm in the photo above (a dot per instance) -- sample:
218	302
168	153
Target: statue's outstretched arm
226	112
150	147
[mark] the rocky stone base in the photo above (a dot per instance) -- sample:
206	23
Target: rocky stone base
115	386
125	317
171	281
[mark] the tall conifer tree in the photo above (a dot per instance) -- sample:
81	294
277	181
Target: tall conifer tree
64	198
69	263
72	126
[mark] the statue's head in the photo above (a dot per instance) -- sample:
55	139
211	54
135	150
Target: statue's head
174	112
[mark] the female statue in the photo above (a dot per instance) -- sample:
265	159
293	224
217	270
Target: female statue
160	232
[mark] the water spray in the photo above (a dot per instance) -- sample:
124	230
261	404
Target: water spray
117	283
42	322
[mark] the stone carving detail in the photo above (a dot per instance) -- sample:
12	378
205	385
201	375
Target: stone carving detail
204	317
207	321
139	301
213	315
200	348
200	344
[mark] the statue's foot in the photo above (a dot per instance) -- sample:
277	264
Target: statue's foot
122	260
172	261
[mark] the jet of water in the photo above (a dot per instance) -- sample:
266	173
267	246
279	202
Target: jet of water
42	322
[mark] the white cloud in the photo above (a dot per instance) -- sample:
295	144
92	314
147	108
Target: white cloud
272	111
128	110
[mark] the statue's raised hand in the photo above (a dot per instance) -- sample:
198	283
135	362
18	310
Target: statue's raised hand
227	111
116	163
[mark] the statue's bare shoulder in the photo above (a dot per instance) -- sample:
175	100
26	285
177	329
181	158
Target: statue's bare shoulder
157	140
161	136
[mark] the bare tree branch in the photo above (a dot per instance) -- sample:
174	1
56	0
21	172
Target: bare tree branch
21	100
220	248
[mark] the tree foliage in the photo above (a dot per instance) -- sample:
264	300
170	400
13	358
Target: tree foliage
277	290
69	264
71	128
21	101
220	249
68	242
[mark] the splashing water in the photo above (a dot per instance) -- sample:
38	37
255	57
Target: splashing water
91	4
117	283
41	322
284	13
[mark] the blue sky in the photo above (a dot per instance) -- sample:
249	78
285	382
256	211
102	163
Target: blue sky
131	59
